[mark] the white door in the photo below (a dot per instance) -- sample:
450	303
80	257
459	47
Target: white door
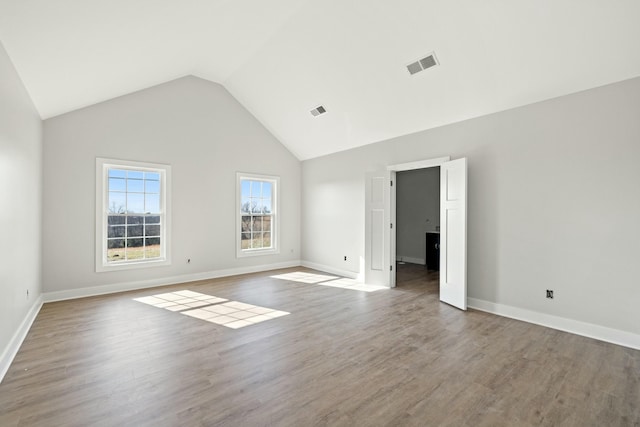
453	233
392	219
377	232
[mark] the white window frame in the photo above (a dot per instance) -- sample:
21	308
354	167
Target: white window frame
102	199
275	220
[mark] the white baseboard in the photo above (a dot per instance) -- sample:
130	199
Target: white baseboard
410	260
9	353
163	281
590	330
332	270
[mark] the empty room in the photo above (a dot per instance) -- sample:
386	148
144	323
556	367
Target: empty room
338	213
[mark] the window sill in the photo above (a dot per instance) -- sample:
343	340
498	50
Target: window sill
256	252
132	265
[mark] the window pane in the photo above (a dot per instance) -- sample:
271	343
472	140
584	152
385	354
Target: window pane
116	231
266	240
245	207
256	242
135	174
255	205
266	205
152	176
152	230
151	241
266	189
153	219
117	184
117	173
152	186
117	203
266	223
152	203
135	185
245	240
135	243
257	223
115	243
135	219
116	219
135	252
256	188
152	251
134	231
135	203
245	187
245	226
115	250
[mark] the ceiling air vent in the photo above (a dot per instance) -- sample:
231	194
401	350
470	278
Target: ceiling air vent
422	64
318	110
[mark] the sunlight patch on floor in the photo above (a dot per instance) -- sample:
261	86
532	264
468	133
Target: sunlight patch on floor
325	280
232	314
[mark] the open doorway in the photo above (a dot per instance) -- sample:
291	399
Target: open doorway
380	235
417	229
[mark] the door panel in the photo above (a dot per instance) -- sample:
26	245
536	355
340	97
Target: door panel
377	235
453	238
377	239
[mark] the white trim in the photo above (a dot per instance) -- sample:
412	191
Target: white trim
420	164
590	330
328	269
102	167
275	215
164	281
10	351
410	260
401	167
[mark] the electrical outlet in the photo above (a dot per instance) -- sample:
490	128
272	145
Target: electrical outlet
188	260
549	294
345	257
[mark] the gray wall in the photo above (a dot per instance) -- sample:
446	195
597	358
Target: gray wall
554	203
417	211
20	199
206	136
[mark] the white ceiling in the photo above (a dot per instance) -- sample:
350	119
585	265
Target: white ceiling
281	58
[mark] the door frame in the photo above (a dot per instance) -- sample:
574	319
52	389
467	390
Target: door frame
393	169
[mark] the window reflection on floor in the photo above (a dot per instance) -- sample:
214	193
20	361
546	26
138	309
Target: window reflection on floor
232	314
324	280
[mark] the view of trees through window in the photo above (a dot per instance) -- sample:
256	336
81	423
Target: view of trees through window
257	214
134	215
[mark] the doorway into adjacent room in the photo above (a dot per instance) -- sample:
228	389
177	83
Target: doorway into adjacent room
417	229
380	235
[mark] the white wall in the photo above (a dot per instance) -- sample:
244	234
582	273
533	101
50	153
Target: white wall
20	210
206	136
554	203
417	211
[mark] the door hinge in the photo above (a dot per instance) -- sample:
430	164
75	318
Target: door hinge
392	183
391	225
391	268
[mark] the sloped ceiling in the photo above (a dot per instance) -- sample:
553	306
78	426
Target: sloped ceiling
281	58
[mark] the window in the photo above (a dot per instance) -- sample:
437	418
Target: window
132	214
257	214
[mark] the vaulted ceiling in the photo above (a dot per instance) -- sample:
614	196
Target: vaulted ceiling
281	58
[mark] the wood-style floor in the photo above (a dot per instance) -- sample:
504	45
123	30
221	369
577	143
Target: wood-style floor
341	358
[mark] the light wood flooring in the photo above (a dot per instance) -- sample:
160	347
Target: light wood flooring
341	358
